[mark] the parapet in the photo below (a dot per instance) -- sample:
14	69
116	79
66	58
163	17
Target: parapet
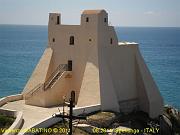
54	18
127	43
87	17
94	11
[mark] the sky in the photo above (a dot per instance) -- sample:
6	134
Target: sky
154	13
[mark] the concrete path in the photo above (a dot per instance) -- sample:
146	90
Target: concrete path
31	114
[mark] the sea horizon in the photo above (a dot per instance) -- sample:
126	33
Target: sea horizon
21	47
46	25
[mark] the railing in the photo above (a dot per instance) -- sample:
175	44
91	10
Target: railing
49	82
31	92
59	70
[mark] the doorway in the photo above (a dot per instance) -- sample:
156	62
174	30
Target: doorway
69	65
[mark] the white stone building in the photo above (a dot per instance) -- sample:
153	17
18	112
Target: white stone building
88	59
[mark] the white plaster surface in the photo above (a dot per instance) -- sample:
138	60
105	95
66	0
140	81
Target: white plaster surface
18	121
104	71
31	114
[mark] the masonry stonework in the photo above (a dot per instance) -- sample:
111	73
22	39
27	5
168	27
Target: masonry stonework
103	71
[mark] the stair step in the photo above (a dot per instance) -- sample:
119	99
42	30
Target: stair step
50	81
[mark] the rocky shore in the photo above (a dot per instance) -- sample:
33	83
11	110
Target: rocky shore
171	118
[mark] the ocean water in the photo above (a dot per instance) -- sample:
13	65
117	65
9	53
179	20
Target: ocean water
22	46
160	48
20	49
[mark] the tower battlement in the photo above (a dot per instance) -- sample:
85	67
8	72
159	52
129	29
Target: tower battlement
87	17
100	70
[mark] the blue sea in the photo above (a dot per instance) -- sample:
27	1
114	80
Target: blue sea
21	47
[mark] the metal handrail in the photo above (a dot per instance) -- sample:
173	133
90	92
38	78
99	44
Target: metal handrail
59	70
34	89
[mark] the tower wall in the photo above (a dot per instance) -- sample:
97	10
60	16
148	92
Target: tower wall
102	71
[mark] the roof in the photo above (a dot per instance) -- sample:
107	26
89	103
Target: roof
93	11
127	43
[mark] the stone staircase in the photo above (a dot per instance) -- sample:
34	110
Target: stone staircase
49	83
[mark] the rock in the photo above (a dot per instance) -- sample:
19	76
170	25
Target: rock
174	117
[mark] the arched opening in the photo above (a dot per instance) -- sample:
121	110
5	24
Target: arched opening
58	20
71	41
105	19
87	19
111	41
69	65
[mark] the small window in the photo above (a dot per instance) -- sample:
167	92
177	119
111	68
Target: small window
90	40
57	19
105	19
71	41
111	41
87	19
53	39
69	65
